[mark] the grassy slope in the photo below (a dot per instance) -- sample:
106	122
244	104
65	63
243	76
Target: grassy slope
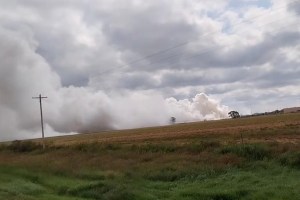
206	160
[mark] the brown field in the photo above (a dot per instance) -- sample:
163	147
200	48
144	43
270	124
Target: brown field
281	131
269	128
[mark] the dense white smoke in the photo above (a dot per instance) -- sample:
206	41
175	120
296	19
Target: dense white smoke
201	107
24	73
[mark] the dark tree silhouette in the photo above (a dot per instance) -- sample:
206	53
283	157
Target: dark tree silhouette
234	114
172	120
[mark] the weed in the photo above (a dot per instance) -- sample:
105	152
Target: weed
94	147
24	146
170	174
217	196
249	151
91	176
201	146
92	190
154	148
3	147
112	147
166	175
290	159
100	190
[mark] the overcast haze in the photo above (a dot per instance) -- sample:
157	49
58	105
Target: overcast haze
107	64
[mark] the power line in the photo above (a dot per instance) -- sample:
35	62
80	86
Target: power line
204	51
189	41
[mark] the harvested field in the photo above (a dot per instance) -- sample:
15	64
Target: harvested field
276	125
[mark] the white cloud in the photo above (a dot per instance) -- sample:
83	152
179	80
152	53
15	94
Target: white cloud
80	55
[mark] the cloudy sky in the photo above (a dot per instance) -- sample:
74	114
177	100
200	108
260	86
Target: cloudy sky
108	64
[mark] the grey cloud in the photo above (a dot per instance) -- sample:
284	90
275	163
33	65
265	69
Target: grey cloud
156	26
137	81
152	38
219	89
213	57
278	79
231	68
178	79
79	53
22	75
257	54
295	7
70	109
204	77
57	28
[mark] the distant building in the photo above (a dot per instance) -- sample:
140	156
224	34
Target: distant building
291	110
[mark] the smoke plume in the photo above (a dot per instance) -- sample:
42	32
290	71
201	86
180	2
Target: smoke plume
24	74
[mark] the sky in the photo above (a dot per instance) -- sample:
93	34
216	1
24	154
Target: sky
108	64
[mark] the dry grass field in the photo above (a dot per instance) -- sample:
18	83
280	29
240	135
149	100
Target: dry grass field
246	158
228	128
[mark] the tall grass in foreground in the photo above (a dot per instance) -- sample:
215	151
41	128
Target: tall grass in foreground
263	180
196	170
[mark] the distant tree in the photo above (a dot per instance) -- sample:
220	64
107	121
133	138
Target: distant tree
173	120
234	114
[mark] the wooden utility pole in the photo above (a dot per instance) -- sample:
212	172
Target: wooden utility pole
42	120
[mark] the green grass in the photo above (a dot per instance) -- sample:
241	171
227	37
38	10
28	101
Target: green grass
181	162
260	180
